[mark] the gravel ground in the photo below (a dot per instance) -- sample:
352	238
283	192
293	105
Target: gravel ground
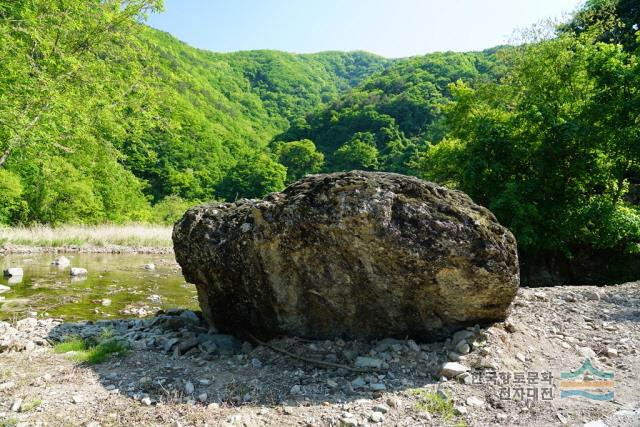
178	373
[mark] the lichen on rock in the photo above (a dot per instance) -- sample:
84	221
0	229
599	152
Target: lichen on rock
355	254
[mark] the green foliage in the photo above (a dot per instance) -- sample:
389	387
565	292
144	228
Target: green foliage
300	158
170	209
253	178
438	404
359	153
551	148
13	208
400	106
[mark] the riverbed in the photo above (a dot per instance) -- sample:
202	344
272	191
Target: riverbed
116	286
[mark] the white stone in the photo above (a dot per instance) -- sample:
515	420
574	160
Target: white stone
189	388
62	261
376	417
474	401
150	267
13	272
146	401
78	271
453	369
16	405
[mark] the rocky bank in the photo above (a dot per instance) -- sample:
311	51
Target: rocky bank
178	372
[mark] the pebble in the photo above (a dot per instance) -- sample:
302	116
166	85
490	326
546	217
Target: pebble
453	369
296	389
383	409
146	401
368	362
521	357
7	386
202	397
16	405
106	302
376	417
461	336
189	388
474	401
612	352
77	399
463	347
150	267
377	387
204	382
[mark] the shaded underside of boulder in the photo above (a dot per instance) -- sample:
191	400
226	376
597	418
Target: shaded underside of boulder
355	254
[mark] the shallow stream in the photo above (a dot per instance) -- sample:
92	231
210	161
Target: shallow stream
116	286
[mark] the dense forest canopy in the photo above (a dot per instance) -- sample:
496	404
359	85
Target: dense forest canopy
105	119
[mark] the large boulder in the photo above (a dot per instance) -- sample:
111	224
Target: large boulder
356	254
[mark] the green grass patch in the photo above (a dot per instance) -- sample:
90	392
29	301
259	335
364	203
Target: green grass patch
10	422
31	405
438	404
84	351
72	344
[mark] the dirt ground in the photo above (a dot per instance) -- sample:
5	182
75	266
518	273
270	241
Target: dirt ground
514	375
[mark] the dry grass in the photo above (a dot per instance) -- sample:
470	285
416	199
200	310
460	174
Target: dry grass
135	235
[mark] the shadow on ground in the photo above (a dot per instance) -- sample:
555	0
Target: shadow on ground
174	357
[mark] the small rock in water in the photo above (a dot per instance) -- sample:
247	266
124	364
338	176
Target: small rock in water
150	267
78	271
62	261
13	272
189	388
295	389
202	397
146	401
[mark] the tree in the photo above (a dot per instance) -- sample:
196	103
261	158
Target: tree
359	153
253	177
56	71
300	158
550	149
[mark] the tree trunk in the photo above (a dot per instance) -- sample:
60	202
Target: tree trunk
4	157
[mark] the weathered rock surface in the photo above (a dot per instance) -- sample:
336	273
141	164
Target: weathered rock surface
357	254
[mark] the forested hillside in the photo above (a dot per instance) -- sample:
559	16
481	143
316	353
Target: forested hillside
101	129
106	120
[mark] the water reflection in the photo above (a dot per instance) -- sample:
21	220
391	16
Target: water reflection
132	289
